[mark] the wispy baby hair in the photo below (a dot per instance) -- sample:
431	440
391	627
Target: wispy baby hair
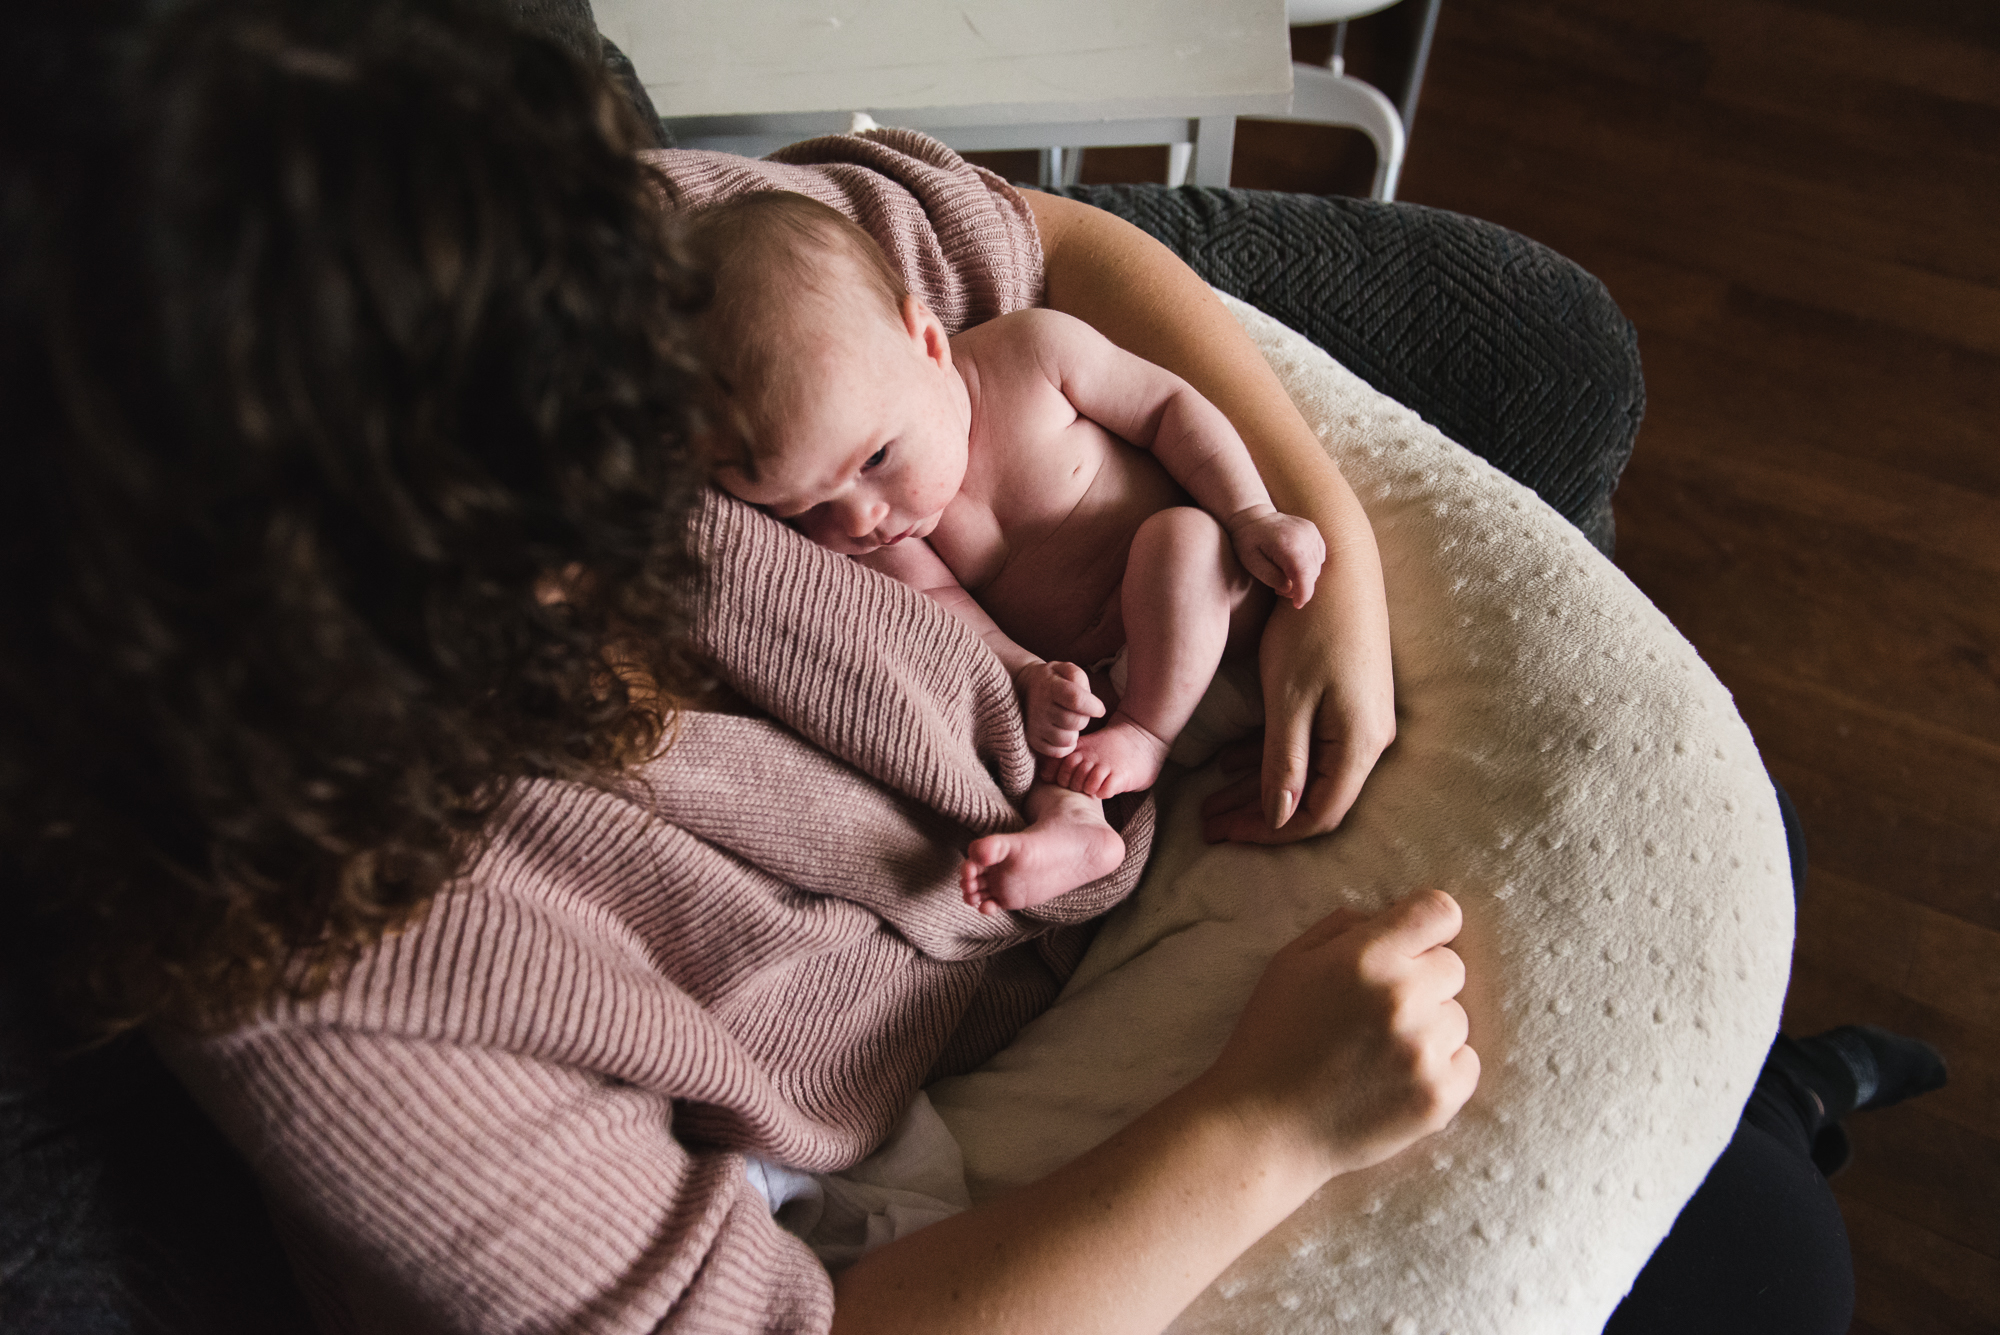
776	259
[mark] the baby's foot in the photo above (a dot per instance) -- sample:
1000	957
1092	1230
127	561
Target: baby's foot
1055	855
1121	757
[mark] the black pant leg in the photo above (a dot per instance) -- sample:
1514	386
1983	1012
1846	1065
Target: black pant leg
1760	1249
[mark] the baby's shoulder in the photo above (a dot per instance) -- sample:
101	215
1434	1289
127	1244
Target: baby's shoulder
1024	356
1033	331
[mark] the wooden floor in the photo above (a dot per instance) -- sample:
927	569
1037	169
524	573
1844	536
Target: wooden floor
1798	204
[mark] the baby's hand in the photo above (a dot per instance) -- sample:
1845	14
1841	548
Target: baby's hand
1283	551
1056	704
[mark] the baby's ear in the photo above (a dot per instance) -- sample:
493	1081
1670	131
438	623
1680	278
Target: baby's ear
926	331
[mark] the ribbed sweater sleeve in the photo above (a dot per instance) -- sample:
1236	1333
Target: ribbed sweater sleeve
527	1111
480	1191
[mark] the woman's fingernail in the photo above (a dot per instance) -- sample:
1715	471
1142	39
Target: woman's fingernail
1282	806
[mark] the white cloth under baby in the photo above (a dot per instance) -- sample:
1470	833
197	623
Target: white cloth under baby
916	1177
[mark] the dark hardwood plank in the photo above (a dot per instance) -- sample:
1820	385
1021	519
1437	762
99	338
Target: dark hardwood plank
1576	213
1798	570
1824	994
1892	843
1858	931
1911	1280
1912	404
1955	968
1899	1152
1798	203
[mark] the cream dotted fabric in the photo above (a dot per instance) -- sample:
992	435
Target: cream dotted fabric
1568	769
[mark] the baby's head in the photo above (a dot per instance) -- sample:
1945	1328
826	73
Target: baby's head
856	419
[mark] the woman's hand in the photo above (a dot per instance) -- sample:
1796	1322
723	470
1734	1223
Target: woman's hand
1354	1041
1329	701
1329	711
1351	1047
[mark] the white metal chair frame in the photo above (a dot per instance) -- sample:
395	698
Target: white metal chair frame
1321	95
1199	148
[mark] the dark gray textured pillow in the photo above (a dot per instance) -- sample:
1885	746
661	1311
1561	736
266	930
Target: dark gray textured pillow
1502	344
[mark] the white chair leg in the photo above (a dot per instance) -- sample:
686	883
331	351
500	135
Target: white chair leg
1214	146
1049	174
1388	170
1324	97
1179	157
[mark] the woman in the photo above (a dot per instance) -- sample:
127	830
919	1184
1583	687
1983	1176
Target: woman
348	608
360	445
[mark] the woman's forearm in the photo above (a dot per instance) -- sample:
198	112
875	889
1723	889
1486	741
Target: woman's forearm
1137	293
1329	698
1122	1239
1351	1046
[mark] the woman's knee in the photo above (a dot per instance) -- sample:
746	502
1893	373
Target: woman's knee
1760	1249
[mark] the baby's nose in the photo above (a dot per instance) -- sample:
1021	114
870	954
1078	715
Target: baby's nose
860	517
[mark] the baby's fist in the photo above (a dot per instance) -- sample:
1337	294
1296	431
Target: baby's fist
1056	706
1283	551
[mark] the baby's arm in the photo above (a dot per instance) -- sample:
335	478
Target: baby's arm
1056	701
1156	410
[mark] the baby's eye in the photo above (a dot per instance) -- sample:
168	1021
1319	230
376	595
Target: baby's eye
875	459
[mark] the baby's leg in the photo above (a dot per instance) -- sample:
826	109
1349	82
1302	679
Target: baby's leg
1068	843
1182	581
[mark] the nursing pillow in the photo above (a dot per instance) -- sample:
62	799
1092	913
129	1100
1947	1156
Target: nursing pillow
1567	767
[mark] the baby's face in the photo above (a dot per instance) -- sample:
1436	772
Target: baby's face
875	447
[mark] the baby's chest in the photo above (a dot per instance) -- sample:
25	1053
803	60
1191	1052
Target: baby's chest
1055	537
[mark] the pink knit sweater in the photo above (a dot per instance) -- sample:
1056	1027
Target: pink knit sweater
963	238
528	1112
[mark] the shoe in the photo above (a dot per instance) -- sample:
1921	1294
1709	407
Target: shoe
1855	1068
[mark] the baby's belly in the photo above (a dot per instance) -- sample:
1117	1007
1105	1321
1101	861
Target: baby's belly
1063	606
1059	597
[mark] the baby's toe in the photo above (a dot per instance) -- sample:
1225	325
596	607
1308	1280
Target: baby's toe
981	854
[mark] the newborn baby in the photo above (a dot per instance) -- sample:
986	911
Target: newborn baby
1030	476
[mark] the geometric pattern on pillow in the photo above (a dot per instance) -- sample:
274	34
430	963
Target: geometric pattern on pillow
1569	770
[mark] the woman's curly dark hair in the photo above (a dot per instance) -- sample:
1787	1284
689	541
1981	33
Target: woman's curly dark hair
348	443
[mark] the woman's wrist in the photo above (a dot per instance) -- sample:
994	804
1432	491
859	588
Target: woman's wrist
1119	1240
1271	1141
